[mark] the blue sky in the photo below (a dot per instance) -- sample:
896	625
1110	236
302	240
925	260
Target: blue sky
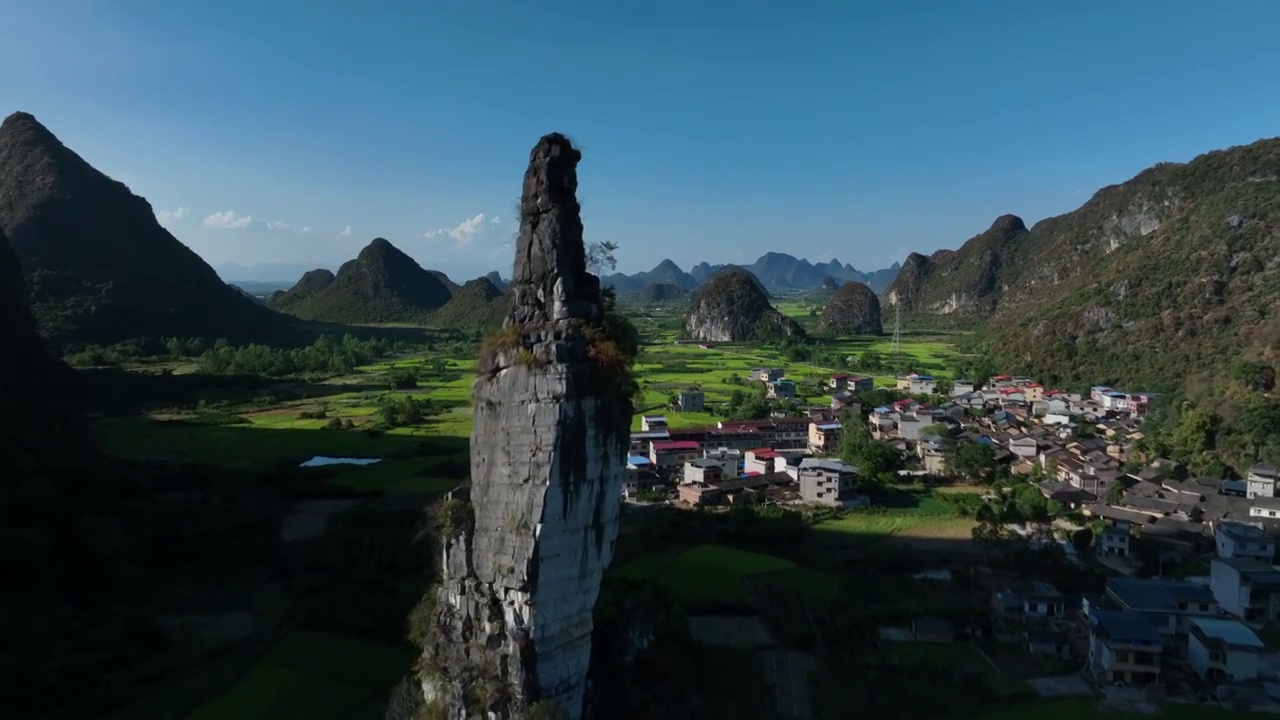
712	130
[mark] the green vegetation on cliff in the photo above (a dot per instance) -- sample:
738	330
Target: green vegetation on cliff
1150	283
731	307
853	310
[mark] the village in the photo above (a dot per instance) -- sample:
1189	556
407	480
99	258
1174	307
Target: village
1191	590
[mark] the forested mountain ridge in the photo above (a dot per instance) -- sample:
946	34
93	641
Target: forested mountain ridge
382	284
1150	283
775	271
97	264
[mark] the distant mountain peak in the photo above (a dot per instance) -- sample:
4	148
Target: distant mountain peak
24	126
496	278
317	279
379	245
383	284
1007	226
775	270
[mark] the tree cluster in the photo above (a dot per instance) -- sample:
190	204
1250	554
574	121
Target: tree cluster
877	462
327	355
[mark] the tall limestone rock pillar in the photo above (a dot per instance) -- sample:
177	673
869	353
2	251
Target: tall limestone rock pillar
523	558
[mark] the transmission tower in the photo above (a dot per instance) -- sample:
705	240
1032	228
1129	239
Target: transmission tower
895	348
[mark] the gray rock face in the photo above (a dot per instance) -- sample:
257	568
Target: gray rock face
548	453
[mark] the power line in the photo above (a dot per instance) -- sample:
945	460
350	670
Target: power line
895	348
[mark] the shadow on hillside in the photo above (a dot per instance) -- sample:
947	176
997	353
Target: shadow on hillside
281	449
823	617
899	538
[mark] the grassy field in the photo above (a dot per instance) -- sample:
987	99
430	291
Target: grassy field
704	575
922	520
666	369
313	675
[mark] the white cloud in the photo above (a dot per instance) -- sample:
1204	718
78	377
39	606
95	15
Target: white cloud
306	230
164	217
496	220
278	225
463	233
227	220
346	232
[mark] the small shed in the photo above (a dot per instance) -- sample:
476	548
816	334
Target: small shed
933	630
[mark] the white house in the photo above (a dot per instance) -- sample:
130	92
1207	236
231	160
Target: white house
828	482
1024	447
1124	646
1115	541
703	471
1261	480
1236	540
962	387
1222	650
1246	588
651	423
729	458
762	461
922	385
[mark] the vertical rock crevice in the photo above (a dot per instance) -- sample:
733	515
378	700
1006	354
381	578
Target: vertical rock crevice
512	631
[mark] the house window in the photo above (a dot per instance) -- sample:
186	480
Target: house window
1122	656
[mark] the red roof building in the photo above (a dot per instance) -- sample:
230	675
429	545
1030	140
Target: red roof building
676	445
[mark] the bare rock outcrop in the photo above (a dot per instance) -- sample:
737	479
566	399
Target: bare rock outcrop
523	556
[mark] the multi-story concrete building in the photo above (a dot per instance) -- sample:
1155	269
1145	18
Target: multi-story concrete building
1221	650
922	385
667	456
701	471
1169	605
767	374
729	458
1115	540
824	437
653	423
1261	480
640	440
828	482
1124	647
1236	540
1246	588
692	401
